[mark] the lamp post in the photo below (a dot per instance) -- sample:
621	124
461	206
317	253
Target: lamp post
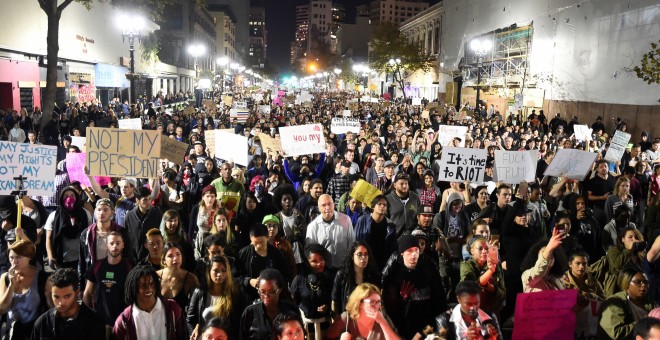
363	70
223	62
131	26
196	50
395	64
480	49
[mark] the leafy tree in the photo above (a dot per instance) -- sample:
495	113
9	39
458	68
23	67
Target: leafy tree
649	70
389	43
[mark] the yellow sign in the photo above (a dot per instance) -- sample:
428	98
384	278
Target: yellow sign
364	192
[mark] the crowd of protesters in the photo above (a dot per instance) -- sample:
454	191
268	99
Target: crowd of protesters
294	254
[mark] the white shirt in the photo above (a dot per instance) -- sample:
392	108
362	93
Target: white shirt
459	324
336	236
150	325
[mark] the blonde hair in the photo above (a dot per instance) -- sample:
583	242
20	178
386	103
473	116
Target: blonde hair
360	293
618	183
223	305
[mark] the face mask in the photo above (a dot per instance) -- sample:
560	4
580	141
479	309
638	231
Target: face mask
69	202
186	172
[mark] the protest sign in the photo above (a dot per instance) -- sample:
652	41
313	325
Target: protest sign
209	104
571	163
448	132
231	147
462	164
364	192
189	110
264	109
582	132
75	167
209	139
374	100
130	124
241	115
513	167
123	153
416	101
617	146
240	105
270	145
432	105
341	125
258	97
425	114
302	139
347	113
228	100
173	150
79	142
545	315
36	163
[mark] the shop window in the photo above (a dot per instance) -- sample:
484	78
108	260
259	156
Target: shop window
27	99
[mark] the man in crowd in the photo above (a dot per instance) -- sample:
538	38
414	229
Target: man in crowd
331	229
138	221
402	205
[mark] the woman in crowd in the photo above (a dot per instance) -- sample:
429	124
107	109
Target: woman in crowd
479	228
176	283
172	230
474	208
172	191
652	218
364	317
621	311
24	292
620	196
249	214
428	192
274	299
292	226
312	289
590	293
272	223
221	224
628	252
202	218
545	264
621	220
288	326
221	297
356	269
487	273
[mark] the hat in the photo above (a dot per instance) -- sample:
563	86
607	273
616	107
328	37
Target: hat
271	219
197	142
523	211
420	233
408	241
346	163
209	188
258	230
131	181
402	176
388	163
425	209
645	134
105	201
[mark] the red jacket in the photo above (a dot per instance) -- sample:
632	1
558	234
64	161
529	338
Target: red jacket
175	322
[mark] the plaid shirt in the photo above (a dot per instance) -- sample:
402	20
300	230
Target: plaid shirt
339	185
427	196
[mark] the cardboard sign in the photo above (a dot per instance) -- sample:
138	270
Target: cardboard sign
416	101
302	139
123	153
130	124
513	167
75	167
617	146
364	192
448	132
432	105
571	163
36	163
271	146
341	125
545	315
209	104
582	132
264	109
240	105
173	150
79	142
209	138
189	111
228	100
461	164
231	147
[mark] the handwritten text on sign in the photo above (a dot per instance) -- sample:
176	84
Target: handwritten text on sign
462	164
341	125
446	134
36	162
545	315
302	139
512	167
617	146
123	153
571	163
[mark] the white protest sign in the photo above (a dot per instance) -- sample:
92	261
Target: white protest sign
302	139
231	147
571	163
343	125
79	142
416	101
347	113
461	164
374	99
513	167
258	97
36	163
448	132
582	132
240	105
130	124
264	108
617	146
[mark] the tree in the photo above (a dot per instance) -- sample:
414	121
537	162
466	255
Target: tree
389	43
649	70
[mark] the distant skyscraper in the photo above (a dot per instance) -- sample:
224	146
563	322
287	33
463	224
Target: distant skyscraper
258	37
395	11
316	28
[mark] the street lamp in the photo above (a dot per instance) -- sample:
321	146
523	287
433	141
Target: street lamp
480	49
223	62
131	26
196	51
395	64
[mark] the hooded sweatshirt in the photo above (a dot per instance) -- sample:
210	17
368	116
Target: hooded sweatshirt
456	228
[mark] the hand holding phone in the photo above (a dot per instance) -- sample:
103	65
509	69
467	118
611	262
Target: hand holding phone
493	254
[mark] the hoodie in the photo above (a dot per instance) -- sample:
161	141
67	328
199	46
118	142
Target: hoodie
456	228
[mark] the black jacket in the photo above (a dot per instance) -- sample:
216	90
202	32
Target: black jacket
247	268
255	324
137	227
199	301
86	325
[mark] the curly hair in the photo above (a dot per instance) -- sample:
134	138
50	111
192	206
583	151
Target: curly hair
132	285
371	273
558	268
280	191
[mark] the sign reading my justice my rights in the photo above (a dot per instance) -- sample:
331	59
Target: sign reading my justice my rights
123	153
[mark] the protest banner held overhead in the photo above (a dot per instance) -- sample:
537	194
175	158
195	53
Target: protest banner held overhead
130	124
173	150
123	153
446	133
513	167
571	163
270	145
302	139
343	125
462	164
617	146
231	147
35	163
75	167
364	192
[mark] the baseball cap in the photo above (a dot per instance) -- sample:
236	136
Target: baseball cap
425	209
271	219
105	201
388	163
402	176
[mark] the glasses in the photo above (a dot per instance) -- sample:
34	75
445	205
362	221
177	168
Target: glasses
270	293
362	255
640	283
373	303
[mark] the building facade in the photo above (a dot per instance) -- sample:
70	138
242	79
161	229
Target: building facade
258	38
395	11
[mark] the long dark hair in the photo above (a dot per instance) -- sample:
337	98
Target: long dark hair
371	273
558	268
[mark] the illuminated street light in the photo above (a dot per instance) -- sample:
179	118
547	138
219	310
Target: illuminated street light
480	48
131	27
196	50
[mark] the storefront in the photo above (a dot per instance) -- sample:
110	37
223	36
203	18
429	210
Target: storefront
110	81
19	85
82	85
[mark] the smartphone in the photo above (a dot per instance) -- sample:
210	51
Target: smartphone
493	254
561	228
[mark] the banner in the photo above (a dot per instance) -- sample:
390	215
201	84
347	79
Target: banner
75	167
173	150
462	164
582	132
231	147
240	105
241	115
571	163
36	163
123	153
341	125
513	167
416	101
302	139
130	124
545	315
79	142
364	192
270	145
617	146
347	113
448	132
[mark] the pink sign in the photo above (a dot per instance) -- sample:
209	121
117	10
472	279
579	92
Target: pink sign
75	163
102	180
545	315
